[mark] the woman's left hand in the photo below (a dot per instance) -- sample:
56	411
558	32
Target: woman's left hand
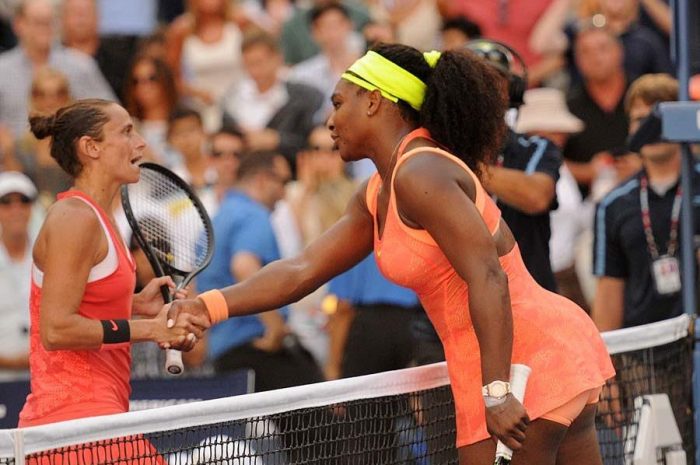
507	422
149	301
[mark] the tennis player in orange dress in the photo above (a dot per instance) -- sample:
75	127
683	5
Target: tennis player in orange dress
429	121
83	278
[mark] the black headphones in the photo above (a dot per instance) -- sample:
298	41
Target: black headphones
504	58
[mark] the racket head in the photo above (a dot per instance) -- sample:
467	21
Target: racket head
169	223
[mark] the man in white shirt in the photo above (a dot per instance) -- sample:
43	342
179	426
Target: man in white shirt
271	113
17	194
331	28
34	24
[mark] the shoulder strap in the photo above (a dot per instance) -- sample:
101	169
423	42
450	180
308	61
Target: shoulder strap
371	193
112	234
420	133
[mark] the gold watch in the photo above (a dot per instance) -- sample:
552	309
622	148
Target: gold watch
496	389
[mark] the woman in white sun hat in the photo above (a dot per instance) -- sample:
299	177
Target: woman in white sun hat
545	114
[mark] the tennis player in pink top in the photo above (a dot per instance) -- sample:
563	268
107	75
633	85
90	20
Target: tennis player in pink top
429	122
82	296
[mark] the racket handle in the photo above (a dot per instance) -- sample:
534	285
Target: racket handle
173	358
173	362
518	380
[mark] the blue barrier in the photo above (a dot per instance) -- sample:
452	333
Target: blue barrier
147	393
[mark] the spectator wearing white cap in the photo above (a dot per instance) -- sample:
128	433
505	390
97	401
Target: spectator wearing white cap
17	194
546	115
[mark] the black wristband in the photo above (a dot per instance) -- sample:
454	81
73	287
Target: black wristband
115	331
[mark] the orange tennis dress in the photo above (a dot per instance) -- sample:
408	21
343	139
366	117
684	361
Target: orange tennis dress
69	384
551	334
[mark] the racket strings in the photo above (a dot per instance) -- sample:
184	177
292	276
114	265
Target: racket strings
169	220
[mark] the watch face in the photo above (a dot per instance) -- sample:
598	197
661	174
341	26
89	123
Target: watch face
498	390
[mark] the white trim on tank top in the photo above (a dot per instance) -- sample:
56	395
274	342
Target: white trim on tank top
103	269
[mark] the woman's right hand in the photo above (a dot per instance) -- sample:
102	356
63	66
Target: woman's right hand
181	336
189	315
507	422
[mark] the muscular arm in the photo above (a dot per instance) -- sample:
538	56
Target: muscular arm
426	181
608	304
285	281
531	193
71	243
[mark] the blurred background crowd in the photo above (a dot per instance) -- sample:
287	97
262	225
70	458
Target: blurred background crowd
233	95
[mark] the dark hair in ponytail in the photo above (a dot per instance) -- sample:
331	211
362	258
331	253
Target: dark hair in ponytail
82	118
464	104
42	126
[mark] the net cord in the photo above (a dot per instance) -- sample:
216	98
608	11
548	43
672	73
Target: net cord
41	438
651	335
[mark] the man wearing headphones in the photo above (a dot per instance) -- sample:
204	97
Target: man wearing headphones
525	174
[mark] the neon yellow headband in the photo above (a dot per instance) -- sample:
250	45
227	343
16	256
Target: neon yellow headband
374	72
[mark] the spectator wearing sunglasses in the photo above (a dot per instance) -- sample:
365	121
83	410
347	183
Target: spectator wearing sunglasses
50	90
17	194
224	150
150	96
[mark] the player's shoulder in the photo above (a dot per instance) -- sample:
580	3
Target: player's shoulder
427	174
73	216
427	167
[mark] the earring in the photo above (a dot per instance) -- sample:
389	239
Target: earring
369	113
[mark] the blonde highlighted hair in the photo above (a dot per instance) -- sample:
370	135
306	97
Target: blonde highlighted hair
650	89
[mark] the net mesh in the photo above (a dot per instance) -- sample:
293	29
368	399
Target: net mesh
169	220
662	368
402	417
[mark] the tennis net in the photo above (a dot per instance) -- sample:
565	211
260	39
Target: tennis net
400	417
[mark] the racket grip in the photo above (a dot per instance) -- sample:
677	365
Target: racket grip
518	380
173	362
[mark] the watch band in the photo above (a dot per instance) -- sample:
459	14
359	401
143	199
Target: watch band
494	401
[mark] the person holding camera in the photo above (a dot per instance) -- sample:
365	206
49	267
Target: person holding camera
637	225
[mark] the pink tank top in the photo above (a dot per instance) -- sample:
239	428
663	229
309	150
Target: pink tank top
69	384
551	334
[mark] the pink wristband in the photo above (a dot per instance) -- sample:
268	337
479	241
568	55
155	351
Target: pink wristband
215	302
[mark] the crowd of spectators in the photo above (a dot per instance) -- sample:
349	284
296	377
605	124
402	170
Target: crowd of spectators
233	95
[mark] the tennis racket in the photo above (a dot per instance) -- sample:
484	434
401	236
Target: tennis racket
518	381
172	228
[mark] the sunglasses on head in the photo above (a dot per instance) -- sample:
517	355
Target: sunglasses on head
15	198
144	79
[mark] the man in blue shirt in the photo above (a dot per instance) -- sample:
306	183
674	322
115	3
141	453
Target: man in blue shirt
245	242
370	332
371	326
